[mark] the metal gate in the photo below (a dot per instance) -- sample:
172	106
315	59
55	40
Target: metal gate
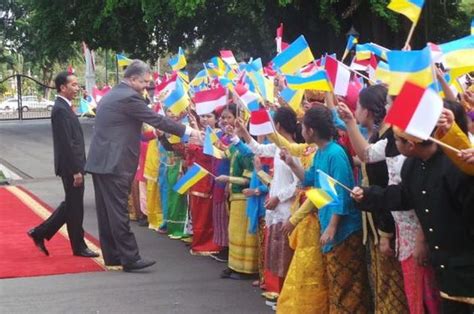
29	100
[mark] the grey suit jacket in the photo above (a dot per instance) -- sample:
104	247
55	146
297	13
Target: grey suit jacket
115	145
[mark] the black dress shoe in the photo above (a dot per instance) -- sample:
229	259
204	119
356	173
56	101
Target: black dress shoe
86	253
140	264
39	242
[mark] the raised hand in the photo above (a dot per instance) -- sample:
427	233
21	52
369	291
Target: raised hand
345	113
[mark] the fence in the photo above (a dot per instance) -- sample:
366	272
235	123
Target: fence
32	100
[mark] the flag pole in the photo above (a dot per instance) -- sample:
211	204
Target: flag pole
358	73
210	173
335	181
444	145
410	34
117	68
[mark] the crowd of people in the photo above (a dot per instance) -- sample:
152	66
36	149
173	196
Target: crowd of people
401	241
390	231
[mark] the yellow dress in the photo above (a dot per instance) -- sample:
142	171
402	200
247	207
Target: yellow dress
153	199
305	289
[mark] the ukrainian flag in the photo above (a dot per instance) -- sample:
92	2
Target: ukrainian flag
363	52
378	50
327	183
382	73
410	8
178	100
200	78
122	60
215	67
317	81
320	198
264	86
190	178
472	27
415	66
178	62
294	57
458	55
351	41
208	148
292	97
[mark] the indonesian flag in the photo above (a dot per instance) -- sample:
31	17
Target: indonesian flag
310	68
281	45
97	94
228	57
416	110
436	53
168	84
207	101
360	65
372	67
247	98
260	123
338	75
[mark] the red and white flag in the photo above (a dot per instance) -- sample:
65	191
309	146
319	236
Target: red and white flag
260	123
167	85
416	110
208	100
246	97
228	57
339	76
97	93
436	53
310	68
280	44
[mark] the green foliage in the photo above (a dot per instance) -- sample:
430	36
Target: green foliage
47	33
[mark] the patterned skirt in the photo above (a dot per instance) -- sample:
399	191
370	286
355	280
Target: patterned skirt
278	251
387	281
347	277
243	246
220	219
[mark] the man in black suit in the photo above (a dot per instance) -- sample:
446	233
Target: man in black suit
113	161
69	161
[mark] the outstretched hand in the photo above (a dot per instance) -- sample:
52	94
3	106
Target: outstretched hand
357	194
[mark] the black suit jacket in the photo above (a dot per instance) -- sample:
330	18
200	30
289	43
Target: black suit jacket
115	144
68	140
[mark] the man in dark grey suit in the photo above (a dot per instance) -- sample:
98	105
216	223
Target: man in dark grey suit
113	161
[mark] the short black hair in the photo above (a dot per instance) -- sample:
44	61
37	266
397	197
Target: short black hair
61	79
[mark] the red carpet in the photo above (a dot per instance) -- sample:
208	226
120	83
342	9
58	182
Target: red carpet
19	257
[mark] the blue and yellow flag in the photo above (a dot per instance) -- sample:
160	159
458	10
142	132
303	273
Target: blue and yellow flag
351	41
320	198
472	27
178	99
294	57
327	183
317	81
382	73
415	66
293	98
215	67
178	61
410	8
208	148
200	78
190	178
458	55
123	61
363	52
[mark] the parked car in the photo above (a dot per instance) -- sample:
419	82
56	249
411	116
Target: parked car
28	103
